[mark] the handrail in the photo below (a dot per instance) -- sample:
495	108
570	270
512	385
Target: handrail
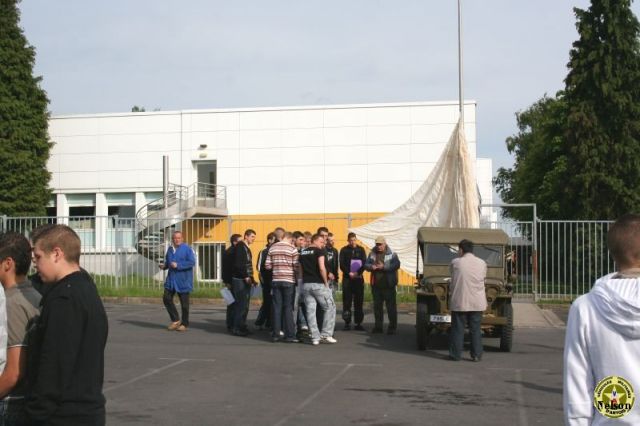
198	194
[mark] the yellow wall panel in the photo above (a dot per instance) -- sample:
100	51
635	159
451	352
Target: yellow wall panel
204	230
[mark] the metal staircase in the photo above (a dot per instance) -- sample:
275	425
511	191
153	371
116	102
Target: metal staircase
159	218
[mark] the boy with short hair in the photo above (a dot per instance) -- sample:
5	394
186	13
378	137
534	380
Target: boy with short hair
602	344
65	366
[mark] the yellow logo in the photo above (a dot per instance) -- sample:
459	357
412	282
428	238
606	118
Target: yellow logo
613	397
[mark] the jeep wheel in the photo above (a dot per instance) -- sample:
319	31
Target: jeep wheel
422	333
506	332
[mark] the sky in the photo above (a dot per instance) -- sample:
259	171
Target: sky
98	57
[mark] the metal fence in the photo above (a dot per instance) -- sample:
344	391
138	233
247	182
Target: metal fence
546	259
571	256
127	251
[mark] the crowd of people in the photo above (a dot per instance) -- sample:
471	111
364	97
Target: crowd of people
299	274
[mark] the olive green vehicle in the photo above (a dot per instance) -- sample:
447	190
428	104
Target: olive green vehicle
438	246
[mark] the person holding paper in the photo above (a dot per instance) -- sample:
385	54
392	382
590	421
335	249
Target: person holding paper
352	259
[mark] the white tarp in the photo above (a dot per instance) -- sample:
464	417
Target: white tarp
448	198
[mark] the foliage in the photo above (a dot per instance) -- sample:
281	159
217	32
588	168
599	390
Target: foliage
24	177
539	173
576	154
603	123
137	108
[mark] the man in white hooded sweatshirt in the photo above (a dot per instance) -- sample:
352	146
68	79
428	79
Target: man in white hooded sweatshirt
602	346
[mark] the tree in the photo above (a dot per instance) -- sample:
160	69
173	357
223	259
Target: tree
24	139
576	155
540	161
137	108
603	122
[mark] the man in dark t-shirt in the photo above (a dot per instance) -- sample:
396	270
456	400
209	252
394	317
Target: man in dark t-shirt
317	292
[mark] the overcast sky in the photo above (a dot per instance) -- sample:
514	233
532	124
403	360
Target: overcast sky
106	56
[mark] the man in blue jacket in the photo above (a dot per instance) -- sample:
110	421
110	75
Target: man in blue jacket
179	261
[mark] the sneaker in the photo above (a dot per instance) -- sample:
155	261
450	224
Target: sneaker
359	327
476	358
182	328
376	330
315	342
452	358
174	326
304	328
291	340
391	331
328	339
347	327
275	339
240	333
281	334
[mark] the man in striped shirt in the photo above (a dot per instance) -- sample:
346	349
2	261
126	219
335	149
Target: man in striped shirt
282	259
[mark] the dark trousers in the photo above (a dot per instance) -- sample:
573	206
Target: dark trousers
167	298
352	293
264	315
456	334
241	292
385	296
283	309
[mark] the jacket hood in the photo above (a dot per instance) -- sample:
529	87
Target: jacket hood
617	301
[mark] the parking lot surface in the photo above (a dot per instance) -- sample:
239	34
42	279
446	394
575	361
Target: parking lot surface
207	377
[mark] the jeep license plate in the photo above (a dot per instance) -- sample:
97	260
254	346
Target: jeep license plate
440	318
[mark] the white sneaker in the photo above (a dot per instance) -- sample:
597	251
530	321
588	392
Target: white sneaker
315	342
281	333
304	328
328	339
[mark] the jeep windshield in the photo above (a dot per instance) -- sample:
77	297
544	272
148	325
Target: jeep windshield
443	254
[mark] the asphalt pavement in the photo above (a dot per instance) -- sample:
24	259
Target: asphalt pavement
207	377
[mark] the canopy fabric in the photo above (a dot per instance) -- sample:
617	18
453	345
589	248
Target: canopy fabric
447	198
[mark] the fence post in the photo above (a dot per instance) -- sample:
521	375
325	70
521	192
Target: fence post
534	254
4	223
349	218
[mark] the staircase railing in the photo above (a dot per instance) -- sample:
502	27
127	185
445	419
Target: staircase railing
154	218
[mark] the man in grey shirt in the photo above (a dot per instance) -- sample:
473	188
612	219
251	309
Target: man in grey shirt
467	300
23	302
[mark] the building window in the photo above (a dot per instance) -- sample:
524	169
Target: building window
82	217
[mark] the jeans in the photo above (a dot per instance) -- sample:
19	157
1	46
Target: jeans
167	298
333	286
456	334
319	294
12	413
241	292
299	306
386	296
283	309
264	315
352	292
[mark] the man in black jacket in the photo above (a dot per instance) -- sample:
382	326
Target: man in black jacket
352	260
241	282
66	359
227	270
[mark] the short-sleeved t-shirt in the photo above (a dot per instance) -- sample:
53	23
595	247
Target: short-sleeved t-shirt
23	305
309	261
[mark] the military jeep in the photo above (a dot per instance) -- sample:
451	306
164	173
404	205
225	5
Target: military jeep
438	246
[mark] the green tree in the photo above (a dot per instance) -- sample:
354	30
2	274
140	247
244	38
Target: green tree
24	140
577	154
540	168
603	122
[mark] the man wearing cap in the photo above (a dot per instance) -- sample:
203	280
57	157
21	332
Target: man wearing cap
383	264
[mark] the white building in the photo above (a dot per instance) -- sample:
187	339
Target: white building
303	160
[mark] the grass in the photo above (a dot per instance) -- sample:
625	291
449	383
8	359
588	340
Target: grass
141	286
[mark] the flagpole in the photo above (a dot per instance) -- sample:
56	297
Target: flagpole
460	90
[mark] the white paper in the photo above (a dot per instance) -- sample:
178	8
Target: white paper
227	296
